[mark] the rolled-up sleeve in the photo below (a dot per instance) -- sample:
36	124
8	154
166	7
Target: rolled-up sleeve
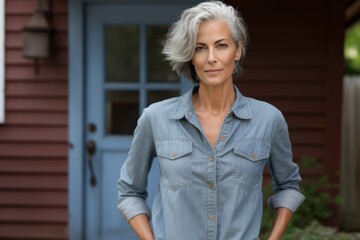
132	183
285	173
132	206
290	199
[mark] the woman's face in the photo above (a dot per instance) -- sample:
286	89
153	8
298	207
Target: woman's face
215	53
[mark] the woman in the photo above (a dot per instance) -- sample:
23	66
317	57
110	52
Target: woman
212	143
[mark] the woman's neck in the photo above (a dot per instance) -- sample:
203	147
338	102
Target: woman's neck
214	100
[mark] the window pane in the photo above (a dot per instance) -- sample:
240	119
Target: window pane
157	95
122	53
122	112
158	68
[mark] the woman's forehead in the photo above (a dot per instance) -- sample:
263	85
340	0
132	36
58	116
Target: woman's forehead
214	30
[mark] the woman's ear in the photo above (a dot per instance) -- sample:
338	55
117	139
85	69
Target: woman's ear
238	51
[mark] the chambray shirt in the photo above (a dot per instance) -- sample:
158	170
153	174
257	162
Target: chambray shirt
209	193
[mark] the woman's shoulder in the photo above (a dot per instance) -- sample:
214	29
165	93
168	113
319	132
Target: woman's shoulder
163	106
263	109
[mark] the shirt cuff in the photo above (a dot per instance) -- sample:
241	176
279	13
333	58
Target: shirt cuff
132	206
290	199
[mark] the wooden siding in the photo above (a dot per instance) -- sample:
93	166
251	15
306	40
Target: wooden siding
33	140
287	65
295	62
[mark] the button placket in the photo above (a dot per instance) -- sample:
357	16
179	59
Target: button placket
225	133
212	218
211	195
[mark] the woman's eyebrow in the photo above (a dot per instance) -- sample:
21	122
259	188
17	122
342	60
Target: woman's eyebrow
217	41
220	40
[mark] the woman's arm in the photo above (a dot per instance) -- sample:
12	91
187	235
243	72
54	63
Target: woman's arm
286	196
282	218
140	225
132	183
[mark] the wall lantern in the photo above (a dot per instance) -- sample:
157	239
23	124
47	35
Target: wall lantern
37	34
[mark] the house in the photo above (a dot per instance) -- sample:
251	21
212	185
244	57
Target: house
68	127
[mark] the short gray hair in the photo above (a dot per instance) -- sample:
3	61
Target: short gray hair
180	42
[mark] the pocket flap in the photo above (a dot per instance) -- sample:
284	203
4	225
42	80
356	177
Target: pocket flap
173	149
253	149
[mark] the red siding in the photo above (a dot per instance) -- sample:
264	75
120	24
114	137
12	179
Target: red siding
295	62
33	140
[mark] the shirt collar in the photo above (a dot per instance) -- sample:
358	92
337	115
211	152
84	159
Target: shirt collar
240	107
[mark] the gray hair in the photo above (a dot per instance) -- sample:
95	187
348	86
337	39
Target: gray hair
180	43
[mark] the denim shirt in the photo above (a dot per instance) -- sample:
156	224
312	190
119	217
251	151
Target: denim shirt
209	193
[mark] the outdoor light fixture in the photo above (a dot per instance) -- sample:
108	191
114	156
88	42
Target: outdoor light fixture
37	34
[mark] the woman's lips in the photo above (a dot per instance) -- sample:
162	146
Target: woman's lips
213	71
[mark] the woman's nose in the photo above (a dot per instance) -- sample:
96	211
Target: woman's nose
211	57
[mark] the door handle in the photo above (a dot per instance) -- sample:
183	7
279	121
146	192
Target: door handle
91	151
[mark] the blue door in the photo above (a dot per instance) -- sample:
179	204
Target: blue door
125	72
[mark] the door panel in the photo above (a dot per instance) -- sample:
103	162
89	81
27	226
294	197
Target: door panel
125	72
111	222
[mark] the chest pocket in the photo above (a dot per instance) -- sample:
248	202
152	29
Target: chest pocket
175	163
250	159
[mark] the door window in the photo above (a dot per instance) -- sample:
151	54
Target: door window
136	74
158	69
122	54
122	109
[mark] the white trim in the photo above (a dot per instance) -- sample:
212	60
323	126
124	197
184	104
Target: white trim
2	61
76	221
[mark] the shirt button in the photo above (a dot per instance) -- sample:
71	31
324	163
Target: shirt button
253	156
173	154
212	218
222	138
212	158
211	186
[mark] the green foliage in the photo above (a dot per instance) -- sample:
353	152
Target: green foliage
352	50
316	231
316	189
314	208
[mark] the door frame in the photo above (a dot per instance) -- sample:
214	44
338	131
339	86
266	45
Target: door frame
76	108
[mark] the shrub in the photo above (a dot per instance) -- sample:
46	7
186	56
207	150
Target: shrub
315	208
316	231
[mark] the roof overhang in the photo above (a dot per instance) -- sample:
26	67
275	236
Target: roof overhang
352	12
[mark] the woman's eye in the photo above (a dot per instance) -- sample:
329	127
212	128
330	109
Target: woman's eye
222	45
200	49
